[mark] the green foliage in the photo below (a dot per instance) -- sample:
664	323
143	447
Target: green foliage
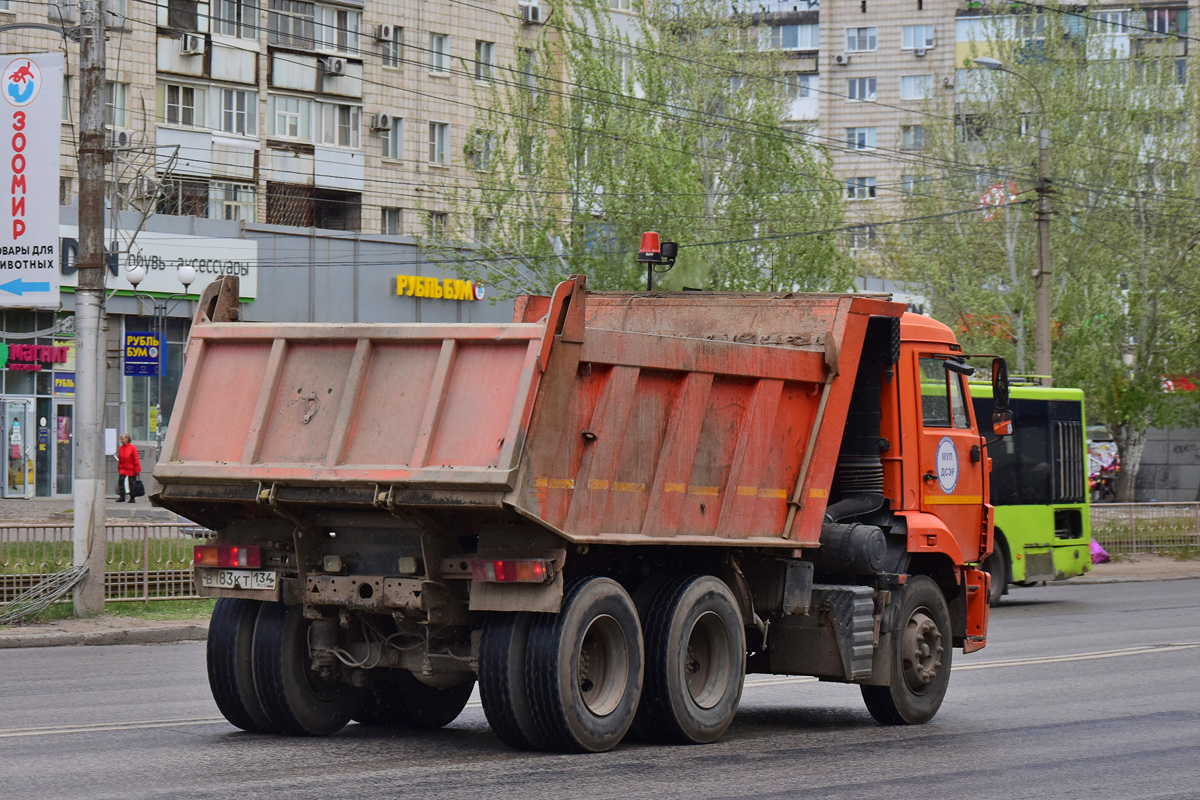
670	121
1125	219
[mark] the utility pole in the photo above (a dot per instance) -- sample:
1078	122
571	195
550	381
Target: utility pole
90	534
1041	353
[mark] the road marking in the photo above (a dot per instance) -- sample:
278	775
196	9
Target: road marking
751	683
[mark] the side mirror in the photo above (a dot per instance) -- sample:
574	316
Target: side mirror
1002	422
1000	385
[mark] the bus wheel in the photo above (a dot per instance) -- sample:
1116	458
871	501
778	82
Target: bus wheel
695	662
585	668
230	674
502	678
400	700
997	566
296	698
921	655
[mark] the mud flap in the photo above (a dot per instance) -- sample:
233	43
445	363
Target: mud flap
976	585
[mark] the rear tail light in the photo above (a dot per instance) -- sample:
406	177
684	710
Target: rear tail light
225	555
512	570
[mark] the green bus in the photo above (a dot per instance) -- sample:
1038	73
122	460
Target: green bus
1038	487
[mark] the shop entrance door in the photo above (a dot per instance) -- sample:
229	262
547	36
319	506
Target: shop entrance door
64	438
18	448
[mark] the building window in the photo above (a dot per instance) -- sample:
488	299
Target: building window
66	191
912	184
183	198
917	37
393	140
621	5
916	87
1111	23
338	124
794	37
438	49
797	85
483	229
483	145
115	98
393	48
68	105
437	223
290	23
181	15
860	138
337	29
912	137
485	60
289	117
860	188
439	133
236	18
231	201
860	39
861	237
239	111
59	11
390	221
1167	20
861	89
182	105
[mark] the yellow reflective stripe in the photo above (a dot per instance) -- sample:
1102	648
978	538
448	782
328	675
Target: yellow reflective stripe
954	500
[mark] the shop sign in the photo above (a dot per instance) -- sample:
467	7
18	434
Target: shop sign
141	354
31	357
438	288
69	364
30	123
64	384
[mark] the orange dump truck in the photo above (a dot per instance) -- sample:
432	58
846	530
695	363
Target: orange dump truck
605	513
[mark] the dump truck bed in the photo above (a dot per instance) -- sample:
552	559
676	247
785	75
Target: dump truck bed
625	418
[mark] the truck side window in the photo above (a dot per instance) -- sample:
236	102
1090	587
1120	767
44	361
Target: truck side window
958	402
935	394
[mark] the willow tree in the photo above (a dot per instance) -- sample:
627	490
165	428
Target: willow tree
1110	87
671	121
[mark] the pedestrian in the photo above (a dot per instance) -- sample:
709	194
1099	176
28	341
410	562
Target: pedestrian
129	466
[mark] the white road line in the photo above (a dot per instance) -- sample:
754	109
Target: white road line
751	683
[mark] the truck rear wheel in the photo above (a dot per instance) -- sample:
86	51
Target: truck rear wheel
296	699
695	662
921	655
230	672
503	677
399	700
585	668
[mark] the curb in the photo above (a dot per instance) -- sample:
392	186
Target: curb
164	635
1092	581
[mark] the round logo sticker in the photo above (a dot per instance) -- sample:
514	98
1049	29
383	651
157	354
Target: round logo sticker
479	291
946	460
22	82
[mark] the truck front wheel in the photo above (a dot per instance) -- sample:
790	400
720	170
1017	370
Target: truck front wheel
695	662
399	700
585	668
230	673
296	698
920	663
997	565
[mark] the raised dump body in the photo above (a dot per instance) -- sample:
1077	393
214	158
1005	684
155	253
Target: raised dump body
610	509
692	418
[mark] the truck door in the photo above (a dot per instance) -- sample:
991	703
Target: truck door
951	463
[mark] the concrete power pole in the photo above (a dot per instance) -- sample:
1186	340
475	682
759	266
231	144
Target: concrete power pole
90	536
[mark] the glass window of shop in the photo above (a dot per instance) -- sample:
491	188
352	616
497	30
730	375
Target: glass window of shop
148	397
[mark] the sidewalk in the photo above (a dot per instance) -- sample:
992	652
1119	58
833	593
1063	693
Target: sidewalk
60	510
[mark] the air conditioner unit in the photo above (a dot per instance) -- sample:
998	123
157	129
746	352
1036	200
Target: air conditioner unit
920	52
531	14
123	138
384	33
947	82
145	186
841	60
191	45
381	122
333	66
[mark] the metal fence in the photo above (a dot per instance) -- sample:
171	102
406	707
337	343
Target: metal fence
144	561
1146	527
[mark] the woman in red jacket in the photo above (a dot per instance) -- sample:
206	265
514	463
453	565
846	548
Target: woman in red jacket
129	466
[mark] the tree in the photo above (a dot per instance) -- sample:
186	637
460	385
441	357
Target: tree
675	125
1126	218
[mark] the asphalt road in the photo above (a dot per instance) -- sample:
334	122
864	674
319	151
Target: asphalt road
1083	692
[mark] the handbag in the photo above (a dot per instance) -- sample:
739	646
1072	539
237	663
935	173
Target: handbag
136	487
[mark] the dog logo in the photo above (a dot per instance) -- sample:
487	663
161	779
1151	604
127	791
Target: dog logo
22	82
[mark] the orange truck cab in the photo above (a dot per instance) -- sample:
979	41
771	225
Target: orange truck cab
605	513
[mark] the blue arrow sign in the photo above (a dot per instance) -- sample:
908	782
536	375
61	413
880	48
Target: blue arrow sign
20	287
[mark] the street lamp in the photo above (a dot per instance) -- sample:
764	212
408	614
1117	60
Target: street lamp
187	276
1041	355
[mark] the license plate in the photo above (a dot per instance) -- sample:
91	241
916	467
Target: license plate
237	579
